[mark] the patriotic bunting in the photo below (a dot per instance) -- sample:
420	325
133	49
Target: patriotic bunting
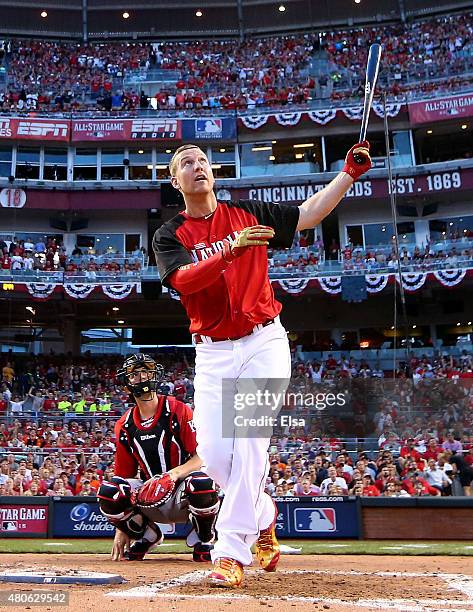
322	116
288	118
376	282
412	282
253	122
331	284
450	278
118	292
40	291
78	291
294	285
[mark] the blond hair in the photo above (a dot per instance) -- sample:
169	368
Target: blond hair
175	157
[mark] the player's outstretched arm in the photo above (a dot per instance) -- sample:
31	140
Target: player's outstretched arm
321	204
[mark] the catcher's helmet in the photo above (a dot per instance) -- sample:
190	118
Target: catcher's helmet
142	362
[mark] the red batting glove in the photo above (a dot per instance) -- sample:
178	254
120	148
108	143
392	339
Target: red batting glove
361	151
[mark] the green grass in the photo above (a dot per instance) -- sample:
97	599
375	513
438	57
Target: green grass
309	547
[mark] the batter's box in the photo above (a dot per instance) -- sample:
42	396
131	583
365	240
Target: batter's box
408	591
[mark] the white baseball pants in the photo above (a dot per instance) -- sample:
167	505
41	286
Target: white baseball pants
239	465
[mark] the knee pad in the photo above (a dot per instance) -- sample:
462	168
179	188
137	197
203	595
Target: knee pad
201	494
115	503
115	498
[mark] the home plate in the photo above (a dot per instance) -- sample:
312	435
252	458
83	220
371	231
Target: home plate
35	576
289	550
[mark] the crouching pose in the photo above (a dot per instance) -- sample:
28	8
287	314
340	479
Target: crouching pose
158	477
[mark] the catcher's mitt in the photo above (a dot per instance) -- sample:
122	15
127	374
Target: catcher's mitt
155	492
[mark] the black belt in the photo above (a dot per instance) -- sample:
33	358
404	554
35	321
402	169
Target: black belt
201	339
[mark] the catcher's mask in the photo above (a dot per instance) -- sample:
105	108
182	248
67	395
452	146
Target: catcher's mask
131	375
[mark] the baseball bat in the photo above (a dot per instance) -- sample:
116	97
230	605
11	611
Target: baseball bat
372	68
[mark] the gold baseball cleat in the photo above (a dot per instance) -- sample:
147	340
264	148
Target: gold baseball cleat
267	548
226	573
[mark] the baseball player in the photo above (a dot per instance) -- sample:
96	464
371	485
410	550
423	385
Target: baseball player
214	254
155	437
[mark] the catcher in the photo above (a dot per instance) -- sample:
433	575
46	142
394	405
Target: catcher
156	437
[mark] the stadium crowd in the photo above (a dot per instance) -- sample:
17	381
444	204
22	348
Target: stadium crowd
272	71
28	256
57	418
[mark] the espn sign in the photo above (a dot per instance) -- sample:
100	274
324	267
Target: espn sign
43	129
35	129
155	129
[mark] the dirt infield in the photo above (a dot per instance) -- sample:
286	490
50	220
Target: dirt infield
336	583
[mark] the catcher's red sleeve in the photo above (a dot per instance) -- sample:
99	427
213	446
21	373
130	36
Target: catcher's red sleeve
187	428
126	465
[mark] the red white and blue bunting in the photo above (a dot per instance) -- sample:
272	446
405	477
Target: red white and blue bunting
376	282
118	292
286	119
412	282
450	278
294	285
392	110
78	291
322	116
254	122
331	284
40	291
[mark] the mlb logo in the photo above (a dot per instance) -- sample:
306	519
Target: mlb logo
208	128
315	520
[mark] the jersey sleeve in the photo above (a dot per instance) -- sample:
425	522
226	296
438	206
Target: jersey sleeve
126	465
170	254
283	218
187	428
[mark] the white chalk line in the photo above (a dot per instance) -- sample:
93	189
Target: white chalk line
458	582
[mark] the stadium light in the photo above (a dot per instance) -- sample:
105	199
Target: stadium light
281	8
430	131
140	151
262	148
115	308
120	321
198	13
305	145
44	14
464	126
126	15
357	1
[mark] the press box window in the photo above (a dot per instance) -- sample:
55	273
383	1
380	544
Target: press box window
140	160
223	162
5	161
27	162
85	165
112	166
55	164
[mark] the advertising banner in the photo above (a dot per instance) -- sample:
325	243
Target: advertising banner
209	128
81	518
32	128
438	109
19	520
317	517
146	128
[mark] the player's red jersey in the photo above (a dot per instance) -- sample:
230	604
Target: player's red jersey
156	445
242	297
